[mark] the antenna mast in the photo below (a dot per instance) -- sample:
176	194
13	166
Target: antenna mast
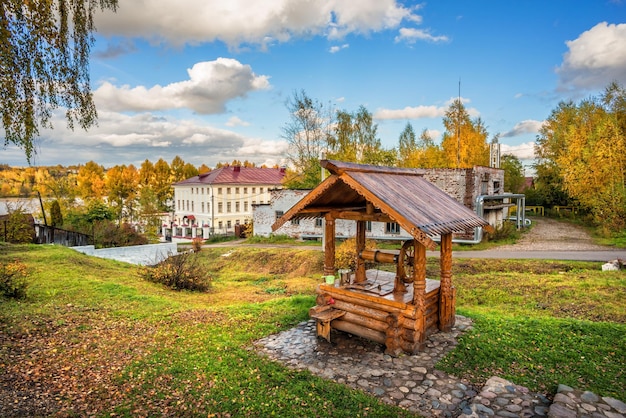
458	130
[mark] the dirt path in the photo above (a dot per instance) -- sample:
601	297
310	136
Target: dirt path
549	234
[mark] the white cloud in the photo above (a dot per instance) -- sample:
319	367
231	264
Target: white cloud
528	126
235	121
237	22
422	112
525	151
210	85
412	35
409	112
596	58
125	139
337	48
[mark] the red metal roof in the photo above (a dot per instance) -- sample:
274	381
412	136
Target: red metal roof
237	175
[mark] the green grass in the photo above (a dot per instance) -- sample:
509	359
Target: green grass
93	338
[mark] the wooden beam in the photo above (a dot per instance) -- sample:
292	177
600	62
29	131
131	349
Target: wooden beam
447	309
329	246
359	275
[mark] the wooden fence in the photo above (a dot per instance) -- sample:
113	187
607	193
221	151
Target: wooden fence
45	234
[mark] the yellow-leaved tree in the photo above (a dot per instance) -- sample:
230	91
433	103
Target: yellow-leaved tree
587	145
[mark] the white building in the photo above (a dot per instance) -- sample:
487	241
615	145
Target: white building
218	201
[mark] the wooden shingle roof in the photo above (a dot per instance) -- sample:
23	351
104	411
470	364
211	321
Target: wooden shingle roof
397	194
237	175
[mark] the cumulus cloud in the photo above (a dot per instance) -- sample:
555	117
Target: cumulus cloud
417	112
412	35
524	127
210	85
116	49
596	58
525	151
237	22
122	139
337	48
422	112
235	121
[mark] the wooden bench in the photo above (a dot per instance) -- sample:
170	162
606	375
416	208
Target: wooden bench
323	316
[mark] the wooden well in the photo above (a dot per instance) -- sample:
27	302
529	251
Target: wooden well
398	309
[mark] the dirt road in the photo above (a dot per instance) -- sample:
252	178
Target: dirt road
549	234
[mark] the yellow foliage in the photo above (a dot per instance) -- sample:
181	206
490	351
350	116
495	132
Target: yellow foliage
345	254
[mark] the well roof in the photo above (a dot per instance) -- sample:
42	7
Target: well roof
420	207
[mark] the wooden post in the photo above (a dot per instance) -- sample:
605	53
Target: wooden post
329	245
447	310
359	275
419	295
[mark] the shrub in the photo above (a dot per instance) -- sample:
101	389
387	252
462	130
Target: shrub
13	280
179	272
345	255
196	244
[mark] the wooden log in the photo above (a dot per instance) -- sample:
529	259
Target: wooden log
359	271
359	330
379	256
329	246
394	334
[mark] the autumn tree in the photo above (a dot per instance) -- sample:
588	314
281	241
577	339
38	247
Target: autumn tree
513	173
90	181
162	185
464	142
45	62
355	139
306	132
584	146
419	152
122	185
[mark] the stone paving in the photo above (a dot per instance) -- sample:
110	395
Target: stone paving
412	382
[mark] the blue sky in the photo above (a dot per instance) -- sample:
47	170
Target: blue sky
208	79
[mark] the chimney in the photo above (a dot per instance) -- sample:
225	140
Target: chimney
237	168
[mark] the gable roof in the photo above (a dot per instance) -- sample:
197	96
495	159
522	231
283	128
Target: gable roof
237	175
399	194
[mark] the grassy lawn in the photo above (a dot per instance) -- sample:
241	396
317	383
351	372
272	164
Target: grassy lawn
93	338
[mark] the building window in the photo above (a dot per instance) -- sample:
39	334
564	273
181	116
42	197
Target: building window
236	190
278	214
318	222
254	202
229	224
496	187
228	207
202	190
202	207
368	226
392	228
237	207
228	190
219	207
220	224
245	206
253	190
245	190
192	209
260	189
219	190
178	204
295	221
187	202
192	190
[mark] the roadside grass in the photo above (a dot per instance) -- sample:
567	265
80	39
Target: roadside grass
93	338
541	323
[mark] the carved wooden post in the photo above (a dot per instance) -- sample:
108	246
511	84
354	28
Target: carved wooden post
447	310
329	245
394	334
359	275
419	295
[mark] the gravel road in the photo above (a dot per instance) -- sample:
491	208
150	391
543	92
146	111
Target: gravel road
549	234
